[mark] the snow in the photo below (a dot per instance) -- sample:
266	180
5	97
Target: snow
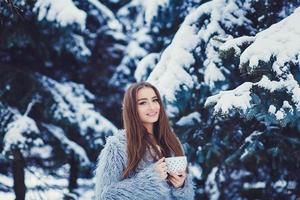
283	111
8	196
147	12
280	184
225	101
190	119
280	41
18	134
151	8
125	12
240	98
145	66
170	72
289	84
271	86
194	36
42	185
236	43
256	185
112	22
211	186
249	141
43	152
80	49
6	181
71	104
196	171
68	145
239	174
135	50
134	53
229	15
234	15
279	115
251	137
212	74
272	109
63	12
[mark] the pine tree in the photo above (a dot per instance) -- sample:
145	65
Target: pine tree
266	159
149	27
58	115
191	69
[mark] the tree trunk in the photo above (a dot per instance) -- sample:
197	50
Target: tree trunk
18	165
73	173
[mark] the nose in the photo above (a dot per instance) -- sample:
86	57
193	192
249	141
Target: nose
151	105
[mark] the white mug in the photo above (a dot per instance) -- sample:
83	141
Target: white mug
176	164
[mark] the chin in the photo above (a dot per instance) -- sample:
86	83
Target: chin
151	121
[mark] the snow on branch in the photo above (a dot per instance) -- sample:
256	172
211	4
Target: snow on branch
170	72
244	100
63	12
151	8
71	104
276	96
279	44
194	37
21	133
68	145
232	47
231	100
113	23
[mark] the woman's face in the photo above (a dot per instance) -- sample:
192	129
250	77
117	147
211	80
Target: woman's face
147	106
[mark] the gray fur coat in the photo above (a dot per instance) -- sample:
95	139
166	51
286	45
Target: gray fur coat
145	184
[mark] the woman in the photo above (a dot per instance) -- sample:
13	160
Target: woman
131	165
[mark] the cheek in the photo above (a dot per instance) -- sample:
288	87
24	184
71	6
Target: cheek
158	107
140	110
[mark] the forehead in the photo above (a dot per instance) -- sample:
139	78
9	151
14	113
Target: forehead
145	92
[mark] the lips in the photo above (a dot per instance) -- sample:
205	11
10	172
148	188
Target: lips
152	114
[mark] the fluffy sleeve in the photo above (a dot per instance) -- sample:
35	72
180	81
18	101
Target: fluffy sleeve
186	192
145	184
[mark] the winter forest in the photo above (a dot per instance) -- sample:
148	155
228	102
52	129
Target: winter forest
228	72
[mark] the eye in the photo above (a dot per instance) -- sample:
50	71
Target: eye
142	103
155	100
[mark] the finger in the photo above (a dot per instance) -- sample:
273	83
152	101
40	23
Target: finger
171	179
162	165
172	174
175	176
162	171
180	178
161	160
164	175
174	181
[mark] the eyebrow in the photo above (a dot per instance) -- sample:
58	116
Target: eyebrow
155	97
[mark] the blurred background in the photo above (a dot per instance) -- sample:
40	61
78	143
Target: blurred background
228	71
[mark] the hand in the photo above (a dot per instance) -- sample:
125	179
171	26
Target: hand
161	168
177	179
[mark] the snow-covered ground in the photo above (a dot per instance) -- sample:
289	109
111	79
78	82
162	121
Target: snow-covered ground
42	186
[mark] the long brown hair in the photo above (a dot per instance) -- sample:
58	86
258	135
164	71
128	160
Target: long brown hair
138	140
